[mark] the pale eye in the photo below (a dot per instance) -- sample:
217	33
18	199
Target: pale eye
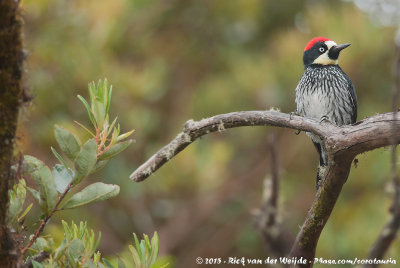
321	49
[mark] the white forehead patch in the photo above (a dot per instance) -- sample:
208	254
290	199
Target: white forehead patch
330	44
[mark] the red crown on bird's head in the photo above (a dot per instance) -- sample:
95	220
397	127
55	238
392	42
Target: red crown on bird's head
315	40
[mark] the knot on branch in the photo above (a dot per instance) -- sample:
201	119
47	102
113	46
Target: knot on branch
188	126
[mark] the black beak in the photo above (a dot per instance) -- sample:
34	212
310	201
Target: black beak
335	51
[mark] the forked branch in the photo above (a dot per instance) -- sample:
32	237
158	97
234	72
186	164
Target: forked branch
342	144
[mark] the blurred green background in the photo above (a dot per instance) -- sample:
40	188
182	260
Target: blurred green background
170	61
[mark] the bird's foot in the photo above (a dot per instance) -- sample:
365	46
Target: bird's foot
293	113
290	118
324	119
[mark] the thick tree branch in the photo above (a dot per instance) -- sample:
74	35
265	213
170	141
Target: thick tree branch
342	144
195	129
366	135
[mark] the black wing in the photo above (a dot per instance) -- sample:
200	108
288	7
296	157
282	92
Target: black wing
353	97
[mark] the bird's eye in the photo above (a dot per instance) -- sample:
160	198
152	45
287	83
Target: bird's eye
321	49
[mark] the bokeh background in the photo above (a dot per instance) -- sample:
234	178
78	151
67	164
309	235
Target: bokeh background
170	61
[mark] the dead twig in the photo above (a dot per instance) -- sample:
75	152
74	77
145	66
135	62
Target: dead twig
277	239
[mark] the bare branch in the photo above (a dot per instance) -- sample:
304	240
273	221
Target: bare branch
45	220
342	144
194	130
366	135
275	236
41	256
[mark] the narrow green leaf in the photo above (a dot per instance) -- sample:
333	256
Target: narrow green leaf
135	256
116	149
68	142
82	99
47	188
147	249
99	113
146	240
17	199
97	242
62	161
137	244
112	125
62	177
107	263
85	161
154	248
95	192
142	251
67	230
85	128
125	135
109	100
25	212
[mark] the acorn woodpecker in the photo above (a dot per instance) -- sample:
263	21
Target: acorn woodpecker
325	92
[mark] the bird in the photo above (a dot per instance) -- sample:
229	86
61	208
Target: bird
325	92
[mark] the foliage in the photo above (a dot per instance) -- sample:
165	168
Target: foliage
53	186
78	249
193	59
144	253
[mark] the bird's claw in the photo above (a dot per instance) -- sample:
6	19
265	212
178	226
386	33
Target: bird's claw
324	118
293	113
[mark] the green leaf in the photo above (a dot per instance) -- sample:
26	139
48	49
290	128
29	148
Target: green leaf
82	99
68	142
31	164
36	264
116	149
154	248
137	244
107	263
85	161
17	200
85	128
58	156
47	188
62	177
135	256
95	192
125	135
23	214
99	113
109	100
76	249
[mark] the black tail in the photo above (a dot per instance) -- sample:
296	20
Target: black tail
322	163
